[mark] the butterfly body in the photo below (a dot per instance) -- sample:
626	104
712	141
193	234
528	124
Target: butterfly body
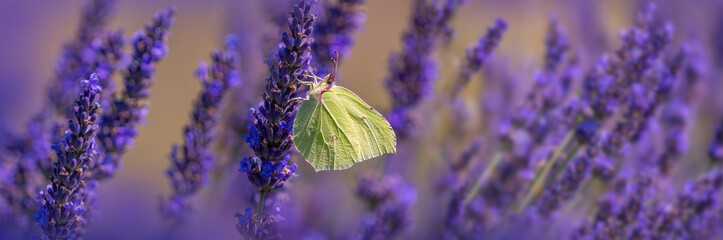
334	128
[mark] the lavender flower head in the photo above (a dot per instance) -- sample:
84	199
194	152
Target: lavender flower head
61	210
77	57
478	54
334	32
189	171
390	199
270	133
412	72
251	226
118	125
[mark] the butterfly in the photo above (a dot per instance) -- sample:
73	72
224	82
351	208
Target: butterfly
334	128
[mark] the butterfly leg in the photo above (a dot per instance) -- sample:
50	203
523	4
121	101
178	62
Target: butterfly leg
297	99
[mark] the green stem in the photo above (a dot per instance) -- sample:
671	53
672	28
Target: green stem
540	179
261	203
483	178
563	166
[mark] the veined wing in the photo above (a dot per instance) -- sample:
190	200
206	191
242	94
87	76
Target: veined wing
324	134
376	136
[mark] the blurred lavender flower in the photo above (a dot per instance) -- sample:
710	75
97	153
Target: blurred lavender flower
477	55
189	171
678	110
78	57
334	32
60	213
94	49
412	72
270	134
390	199
631	212
118	125
252	226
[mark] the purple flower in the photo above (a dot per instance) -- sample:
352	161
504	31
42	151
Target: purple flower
78	58
61	211
390	200
190	171
268	176
334	33
118	125
413	71
270	133
478	54
255	226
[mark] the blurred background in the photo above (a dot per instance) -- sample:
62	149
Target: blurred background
33	32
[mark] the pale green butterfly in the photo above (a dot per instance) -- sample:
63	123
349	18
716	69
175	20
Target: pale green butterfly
334	128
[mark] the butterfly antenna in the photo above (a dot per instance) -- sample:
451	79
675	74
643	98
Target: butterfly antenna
336	66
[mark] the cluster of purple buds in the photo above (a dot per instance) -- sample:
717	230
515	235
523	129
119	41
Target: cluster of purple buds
118	125
270	134
478	54
334	33
268	175
412	72
78	58
94	49
190	171
630	212
251	226
62	208
390	200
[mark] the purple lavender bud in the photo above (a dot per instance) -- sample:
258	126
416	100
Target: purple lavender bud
78	57
390	199
412	72
557	45
335	32
254	226
268	176
189	171
565	188
478	54
270	133
61	211
118	125
110	56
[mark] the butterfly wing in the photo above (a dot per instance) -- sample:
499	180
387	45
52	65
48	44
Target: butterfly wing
325	135
376	136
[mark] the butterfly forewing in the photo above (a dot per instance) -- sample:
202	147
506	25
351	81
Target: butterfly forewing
325	135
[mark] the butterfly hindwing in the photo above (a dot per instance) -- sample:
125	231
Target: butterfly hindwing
376	136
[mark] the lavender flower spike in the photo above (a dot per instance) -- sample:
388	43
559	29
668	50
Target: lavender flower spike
77	57
118	125
334	32
478	54
390	199
61	210
189	170
412	72
270	133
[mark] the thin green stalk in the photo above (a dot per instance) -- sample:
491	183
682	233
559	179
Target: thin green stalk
563	166
540	179
261	203
483	178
